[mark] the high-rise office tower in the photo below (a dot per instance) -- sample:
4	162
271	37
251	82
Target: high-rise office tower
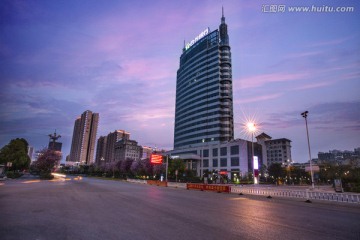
204	101
84	137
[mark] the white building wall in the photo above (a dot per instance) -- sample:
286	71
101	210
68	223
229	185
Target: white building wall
241	169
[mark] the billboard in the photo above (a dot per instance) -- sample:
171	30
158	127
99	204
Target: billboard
156	159
315	168
256	163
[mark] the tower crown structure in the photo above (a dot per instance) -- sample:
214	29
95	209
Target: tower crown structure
224	37
54	137
204	102
53	145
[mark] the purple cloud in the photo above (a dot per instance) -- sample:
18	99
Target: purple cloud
120	59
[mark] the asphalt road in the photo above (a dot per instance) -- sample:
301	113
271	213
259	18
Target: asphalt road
102	209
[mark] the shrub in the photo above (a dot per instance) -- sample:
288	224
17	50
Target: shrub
46	176
13	174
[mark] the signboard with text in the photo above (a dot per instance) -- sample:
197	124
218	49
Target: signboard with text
256	162
197	38
315	168
206	187
156	159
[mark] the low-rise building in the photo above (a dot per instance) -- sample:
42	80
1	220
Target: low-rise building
339	157
277	150
146	152
112	139
126	148
232	158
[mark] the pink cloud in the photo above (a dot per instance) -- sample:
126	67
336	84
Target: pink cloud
304	54
150	69
258	98
261	80
330	42
314	85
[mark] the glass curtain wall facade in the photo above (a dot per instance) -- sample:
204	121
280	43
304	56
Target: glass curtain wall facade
204	101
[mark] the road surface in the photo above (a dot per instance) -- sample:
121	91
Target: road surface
91	208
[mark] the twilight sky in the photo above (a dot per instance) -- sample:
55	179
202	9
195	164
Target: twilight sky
119	58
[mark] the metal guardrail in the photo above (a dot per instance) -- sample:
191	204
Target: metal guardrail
137	181
337	197
304	194
177	185
169	184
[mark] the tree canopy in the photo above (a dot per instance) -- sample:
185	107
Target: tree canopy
276	171
176	165
46	161
16	153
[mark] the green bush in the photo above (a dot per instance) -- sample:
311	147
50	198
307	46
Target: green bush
352	187
46	176
13	174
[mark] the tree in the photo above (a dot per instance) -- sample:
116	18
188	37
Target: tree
263	172
16	153
146	168
159	169
176	164
276	172
46	162
297	174
125	167
135	167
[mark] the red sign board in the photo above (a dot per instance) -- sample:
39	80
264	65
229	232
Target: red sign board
205	187
156	159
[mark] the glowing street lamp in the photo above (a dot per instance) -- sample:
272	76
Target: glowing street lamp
252	128
304	114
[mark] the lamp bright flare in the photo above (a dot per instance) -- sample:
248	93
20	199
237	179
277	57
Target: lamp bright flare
251	127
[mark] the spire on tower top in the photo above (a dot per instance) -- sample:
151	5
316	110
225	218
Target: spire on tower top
222	18
224	38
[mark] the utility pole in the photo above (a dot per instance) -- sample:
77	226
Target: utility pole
304	114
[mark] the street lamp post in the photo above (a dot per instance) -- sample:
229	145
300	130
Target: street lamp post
167	167
251	128
304	114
